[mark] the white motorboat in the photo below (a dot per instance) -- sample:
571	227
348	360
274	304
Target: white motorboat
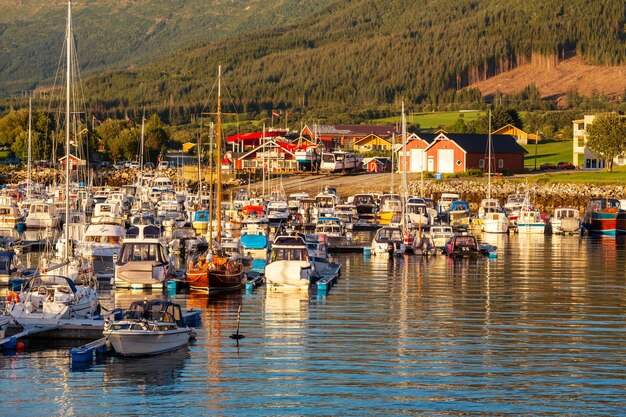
143	260
278	212
388	241
53	297
148	328
566	220
289	263
102	240
440	235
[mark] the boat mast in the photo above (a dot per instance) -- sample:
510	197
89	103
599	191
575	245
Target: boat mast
393	140
218	201
405	187
211	188
30	138
143	130
67	128
489	157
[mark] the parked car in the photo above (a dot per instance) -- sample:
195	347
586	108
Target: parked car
565	165
547	166
119	165
134	165
164	165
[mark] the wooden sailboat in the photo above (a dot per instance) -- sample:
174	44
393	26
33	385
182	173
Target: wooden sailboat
214	271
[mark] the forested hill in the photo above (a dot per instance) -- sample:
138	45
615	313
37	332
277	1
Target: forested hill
116	34
356	53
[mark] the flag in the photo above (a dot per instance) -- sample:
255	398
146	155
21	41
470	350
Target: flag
95	119
159	160
274	114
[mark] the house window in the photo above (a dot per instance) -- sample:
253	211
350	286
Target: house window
459	162
481	163
500	163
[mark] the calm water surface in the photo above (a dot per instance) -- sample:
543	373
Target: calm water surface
540	330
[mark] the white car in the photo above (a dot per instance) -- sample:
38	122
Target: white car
164	165
134	165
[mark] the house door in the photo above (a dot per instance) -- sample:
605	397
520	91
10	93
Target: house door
417	160
445	160
431	164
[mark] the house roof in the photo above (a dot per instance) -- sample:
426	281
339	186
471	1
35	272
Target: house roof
371	137
353	130
477	143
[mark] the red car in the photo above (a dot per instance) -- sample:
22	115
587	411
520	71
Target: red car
565	165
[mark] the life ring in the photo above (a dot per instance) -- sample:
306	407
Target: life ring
13	297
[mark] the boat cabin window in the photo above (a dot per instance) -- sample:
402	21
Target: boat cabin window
289	254
38	208
138	252
416	209
465	241
325	202
389	234
328	157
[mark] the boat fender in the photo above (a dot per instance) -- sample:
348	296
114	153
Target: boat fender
13	297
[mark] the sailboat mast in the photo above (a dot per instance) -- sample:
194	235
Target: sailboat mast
143	131
405	187
218	202
211	185
30	139
489	157
67	127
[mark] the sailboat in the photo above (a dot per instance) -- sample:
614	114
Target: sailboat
491	214
62	288
213	271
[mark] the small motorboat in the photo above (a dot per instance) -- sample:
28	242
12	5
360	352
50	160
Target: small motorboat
148	328
462	246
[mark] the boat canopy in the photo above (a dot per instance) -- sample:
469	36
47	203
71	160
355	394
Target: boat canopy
49	281
156	310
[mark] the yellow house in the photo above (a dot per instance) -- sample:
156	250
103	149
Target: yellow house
372	142
187	146
520	136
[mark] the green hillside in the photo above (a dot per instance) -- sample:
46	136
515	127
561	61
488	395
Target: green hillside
334	56
122	34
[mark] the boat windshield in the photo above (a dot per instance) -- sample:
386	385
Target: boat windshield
289	254
328	157
138	252
386	234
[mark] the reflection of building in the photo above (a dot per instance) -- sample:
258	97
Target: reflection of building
590	160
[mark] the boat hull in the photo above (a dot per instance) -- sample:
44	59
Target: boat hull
144	343
288	274
214	281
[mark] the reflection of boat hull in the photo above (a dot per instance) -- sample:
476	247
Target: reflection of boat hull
142	343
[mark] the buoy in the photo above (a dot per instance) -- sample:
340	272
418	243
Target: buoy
20	347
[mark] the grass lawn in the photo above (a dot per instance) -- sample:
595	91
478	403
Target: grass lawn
5	154
552	151
431	121
617	177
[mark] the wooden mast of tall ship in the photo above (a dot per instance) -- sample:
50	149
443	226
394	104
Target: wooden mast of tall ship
218	145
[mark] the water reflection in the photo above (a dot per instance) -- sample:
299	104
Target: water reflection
160	370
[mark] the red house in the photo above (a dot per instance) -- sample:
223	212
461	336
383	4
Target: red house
457	152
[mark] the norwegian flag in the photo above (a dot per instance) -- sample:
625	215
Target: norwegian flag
275	114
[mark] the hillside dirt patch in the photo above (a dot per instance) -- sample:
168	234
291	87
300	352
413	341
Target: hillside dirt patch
554	81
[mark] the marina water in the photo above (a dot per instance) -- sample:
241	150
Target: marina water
539	330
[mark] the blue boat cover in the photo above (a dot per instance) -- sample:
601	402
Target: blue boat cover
253	241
